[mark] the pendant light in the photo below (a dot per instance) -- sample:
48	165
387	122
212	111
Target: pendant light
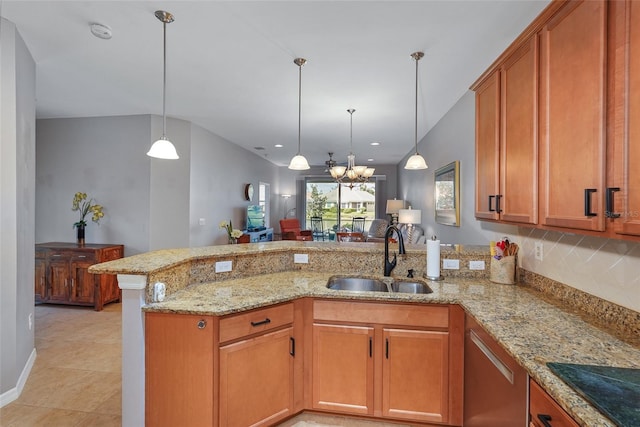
351	171
416	161
298	162
163	148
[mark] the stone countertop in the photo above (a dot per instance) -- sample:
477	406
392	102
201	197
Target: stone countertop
529	328
151	262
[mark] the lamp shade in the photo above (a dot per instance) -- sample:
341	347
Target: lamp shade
163	149
393	206
299	163
410	216
416	162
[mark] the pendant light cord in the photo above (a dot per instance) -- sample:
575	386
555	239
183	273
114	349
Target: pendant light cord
415	135
164	81
299	101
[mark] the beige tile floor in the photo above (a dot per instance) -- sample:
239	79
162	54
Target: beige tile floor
76	378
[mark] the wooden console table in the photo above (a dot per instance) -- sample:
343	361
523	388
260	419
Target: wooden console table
62	276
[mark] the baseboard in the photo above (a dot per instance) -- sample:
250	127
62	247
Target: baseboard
11	395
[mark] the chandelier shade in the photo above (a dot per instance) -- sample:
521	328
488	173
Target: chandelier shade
351	172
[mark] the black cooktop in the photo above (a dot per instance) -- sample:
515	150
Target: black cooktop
614	391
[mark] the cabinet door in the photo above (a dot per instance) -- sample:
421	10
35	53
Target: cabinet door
40	280
256	380
543	407
572	117
487	147
58	278
518	196
82	283
630	183
415	375
343	355
178	370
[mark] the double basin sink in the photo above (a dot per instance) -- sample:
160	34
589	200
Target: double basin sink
366	284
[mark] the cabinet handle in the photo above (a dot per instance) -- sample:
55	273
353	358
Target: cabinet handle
544	419
71	283
498	197
292	348
81	256
386	348
587	201
202	324
262	322
55	255
370	347
609	212
490	198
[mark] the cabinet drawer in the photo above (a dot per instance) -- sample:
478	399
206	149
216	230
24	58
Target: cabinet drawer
256	321
540	403
111	254
83	257
432	316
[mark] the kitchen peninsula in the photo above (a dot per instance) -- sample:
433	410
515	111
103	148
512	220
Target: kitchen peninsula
524	321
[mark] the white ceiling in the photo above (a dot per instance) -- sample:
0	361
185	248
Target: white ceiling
230	66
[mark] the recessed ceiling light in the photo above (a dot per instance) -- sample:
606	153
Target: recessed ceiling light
100	31
375	143
258	148
278	145
369	160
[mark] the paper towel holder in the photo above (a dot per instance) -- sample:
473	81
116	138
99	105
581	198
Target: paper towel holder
433	278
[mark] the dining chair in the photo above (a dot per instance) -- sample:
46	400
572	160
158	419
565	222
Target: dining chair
317	228
357	224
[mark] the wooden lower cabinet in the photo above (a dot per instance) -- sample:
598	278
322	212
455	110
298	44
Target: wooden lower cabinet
544	411
256	380
62	274
407	368
343	368
248	369
179	363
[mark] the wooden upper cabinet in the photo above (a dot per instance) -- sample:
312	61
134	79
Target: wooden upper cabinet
506	140
487	146
572	116
518	134
624	115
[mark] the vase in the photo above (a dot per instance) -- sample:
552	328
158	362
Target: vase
80	235
232	241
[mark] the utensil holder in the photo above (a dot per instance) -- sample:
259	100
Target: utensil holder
503	270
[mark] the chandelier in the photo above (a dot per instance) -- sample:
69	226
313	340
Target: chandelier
351	173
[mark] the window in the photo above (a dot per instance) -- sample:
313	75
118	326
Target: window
338	204
263	200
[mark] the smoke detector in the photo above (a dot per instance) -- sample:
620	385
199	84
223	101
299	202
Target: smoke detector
100	31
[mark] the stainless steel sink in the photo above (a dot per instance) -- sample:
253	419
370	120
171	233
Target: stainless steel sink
365	284
410	287
358	284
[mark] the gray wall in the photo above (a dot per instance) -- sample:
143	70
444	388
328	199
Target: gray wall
607	268
17	210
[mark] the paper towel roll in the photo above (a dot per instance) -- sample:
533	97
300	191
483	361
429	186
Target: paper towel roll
433	259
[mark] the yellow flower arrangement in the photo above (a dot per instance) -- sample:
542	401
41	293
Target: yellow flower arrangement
233	233
80	203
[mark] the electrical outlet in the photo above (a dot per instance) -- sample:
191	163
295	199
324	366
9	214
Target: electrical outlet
539	252
159	290
223	266
476	265
451	264
30	321
301	258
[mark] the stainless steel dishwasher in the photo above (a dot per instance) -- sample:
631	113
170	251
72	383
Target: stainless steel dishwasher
495	386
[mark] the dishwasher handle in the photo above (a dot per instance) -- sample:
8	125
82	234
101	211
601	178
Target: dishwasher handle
504	369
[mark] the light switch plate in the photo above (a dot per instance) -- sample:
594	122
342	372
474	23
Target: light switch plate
451	264
301	258
223	266
476	265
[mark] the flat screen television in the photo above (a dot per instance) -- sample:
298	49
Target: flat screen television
255	218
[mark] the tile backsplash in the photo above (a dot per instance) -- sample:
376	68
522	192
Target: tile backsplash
606	268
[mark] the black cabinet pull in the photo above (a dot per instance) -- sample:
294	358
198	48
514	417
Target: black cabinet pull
292	348
544	419
262	322
370	347
490	198
609	212
498	197
386	348
587	201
